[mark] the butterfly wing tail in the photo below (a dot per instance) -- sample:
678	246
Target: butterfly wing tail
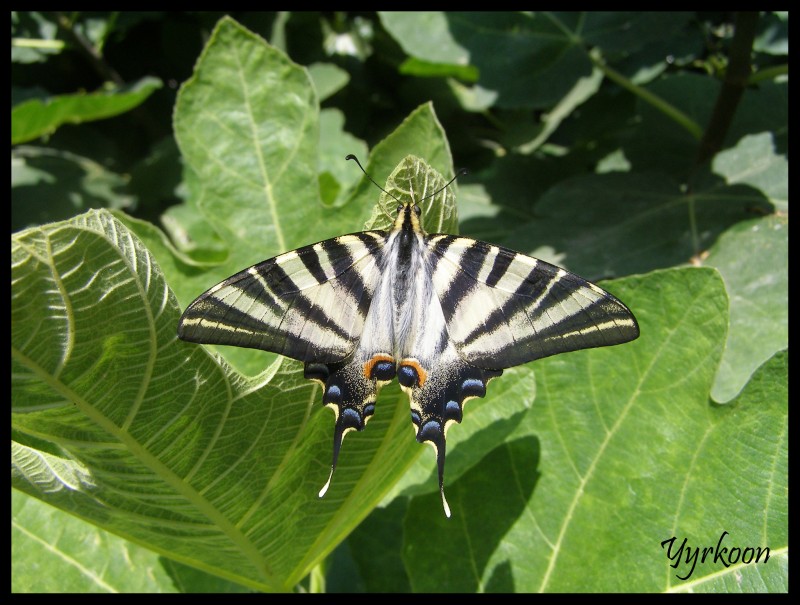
350	390
438	391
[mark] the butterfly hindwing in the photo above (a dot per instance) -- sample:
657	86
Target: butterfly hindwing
351	386
309	304
350	389
438	386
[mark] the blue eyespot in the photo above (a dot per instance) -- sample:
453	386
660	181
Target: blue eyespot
432	431
351	418
407	376
333	394
473	387
452	411
383	370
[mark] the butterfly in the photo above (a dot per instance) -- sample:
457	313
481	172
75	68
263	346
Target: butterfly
443	314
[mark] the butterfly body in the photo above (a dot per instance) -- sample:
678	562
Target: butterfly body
443	314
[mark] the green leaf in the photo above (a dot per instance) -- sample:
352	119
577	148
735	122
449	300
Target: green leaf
530	60
755	162
753	258
621	223
415	180
425	35
35	118
739	483
328	79
419	135
426	69
152	439
78	557
52	185
247	126
81	557
472	98
622	450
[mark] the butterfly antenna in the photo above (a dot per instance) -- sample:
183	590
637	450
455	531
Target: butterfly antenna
461	172
350	156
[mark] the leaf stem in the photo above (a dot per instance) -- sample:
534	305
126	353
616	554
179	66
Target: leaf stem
85	47
660	104
316	579
768	73
737	77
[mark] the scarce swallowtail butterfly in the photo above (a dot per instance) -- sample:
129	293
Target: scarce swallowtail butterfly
443	314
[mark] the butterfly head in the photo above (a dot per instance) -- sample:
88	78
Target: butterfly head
408	217
401	207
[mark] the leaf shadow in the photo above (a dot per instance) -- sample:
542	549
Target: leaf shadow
486	503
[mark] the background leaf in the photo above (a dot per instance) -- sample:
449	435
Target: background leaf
34	118
239	145
50	184
758	286
754	162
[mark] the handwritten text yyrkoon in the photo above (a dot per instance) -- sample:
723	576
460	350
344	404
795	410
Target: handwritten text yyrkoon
721	554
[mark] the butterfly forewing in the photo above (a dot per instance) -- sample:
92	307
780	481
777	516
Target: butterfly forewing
504	308
308	304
